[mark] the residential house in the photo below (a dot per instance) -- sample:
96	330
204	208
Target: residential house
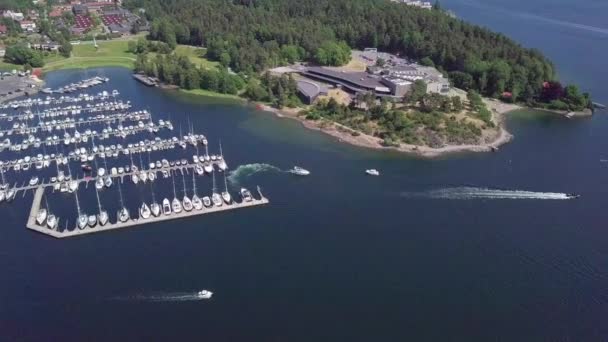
3	30
28	25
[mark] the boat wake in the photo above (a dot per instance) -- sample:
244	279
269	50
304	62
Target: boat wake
248	170
163	297
469	193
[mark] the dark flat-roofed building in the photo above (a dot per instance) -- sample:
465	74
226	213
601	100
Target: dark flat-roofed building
354	81
309	91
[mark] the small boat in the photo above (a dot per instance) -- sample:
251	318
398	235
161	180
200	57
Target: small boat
187	203
216	199
372	172
92	221
41	216
34	181
226	197
86	167
176	206
573	196
197	203
166	207
73	186
205	294
155	209
51	222
103	217
99	183
246	195
107	181
134	178
300	171
10	195
82	221
123	214
207	201
101	172
144	211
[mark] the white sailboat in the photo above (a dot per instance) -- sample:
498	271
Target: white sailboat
154	207
123	213
176	205
186	200
215	197
225	194
82	218
102	217
222	163
196	201
144	211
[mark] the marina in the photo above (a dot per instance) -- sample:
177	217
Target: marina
105	149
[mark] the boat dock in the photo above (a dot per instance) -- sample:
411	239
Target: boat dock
150	82
31	222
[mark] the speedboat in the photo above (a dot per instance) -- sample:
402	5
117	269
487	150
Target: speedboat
187	203
300	171
144	211
206	201
123	214
155	209
226	197
103	217
246	195
134	178
204	294
573	195
82	221
176	205
73	186
41	216
51	221
166	207
216	199
92	220
101	172
197	203
372	172
107	181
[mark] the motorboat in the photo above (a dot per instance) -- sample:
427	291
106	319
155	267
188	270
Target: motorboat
299	171
155	209
101	172
246	195
103	218
134	178
226	197
144	211
573	196
216	199
82	221
187	203
372	172
51	221
107	181
176	206
123	214
34	181
208	168
99	183
41	216
207	201
166	207
92	220
197	203
73	186
204	294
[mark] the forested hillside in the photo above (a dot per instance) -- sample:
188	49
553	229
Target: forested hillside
251	35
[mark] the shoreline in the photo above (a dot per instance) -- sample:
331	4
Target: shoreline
344	134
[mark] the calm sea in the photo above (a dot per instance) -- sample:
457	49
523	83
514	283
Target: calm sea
471	247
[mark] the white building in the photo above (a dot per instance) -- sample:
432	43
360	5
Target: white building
16	16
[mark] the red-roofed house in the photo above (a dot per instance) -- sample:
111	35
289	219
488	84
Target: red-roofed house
3	29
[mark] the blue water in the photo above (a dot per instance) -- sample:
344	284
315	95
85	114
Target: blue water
447	249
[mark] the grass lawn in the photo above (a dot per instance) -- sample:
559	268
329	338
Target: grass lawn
203	92
195	55
108	53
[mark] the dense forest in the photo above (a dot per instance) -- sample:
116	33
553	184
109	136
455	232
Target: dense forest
252	35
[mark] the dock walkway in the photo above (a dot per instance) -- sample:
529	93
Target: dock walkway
31	222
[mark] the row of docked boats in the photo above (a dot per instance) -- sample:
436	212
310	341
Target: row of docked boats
49	100
84	84
107	106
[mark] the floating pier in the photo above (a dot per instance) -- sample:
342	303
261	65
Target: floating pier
31	222
145	80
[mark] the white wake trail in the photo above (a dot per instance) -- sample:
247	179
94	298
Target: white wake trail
163	297
469	193
247	170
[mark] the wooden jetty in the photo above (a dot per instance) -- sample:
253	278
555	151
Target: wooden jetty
31	222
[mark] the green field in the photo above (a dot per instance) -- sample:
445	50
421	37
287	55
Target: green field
195	55
85	55
207	93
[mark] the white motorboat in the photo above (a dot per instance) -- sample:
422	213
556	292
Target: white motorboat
34	181
101	172
103	218
107	181
51	222
82	221
372	172
207	201
176	206
166	207
299	171
246	195
155	209
123	215
216	199
92	220
144	211
205	294
197	203
41	216
99	183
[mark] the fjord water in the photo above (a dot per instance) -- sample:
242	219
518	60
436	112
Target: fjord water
472	247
